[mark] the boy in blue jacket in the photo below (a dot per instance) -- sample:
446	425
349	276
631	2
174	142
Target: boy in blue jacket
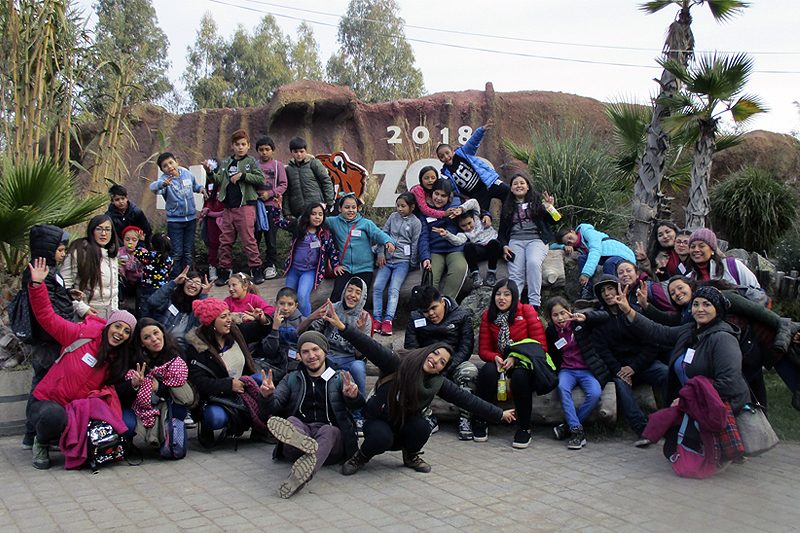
177	185
469	174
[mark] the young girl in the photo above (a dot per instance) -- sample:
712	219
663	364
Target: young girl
506	321
404	228
211	228
709	263
578	364
660	260
244	297
524	233
312	248
423	191
682	253
355	235
171	305
156	267
130	267
436	252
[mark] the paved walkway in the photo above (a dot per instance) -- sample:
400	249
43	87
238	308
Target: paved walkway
608	486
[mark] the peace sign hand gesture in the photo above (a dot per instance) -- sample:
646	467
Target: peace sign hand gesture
267	385
349	387
181	278
138	375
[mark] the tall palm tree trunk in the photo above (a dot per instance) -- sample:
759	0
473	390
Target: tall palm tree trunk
699	206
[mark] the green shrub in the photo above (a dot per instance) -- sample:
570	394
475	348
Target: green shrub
753	209
578	169
787	251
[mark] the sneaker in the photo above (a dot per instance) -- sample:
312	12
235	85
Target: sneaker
415	462
480	431
376	326
359	427
41	455
222	277
642	442
270	272
257	275
561	432
522	439
386	328
189	422
476	279
491	279
27	441
354	464
586	298
578	439
301	473
464	429
212	273
433	423
284	431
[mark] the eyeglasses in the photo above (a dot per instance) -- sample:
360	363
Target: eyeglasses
193	282
101	229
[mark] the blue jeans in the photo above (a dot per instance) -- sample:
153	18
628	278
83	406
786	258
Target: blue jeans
394	274
567	379
181	235
655	375
129	417
303	283
357	369
214	416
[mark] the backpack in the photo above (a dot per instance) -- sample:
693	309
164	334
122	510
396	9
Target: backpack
104	445
19	315
173	445
751	293
686	462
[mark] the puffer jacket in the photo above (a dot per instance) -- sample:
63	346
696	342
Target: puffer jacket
177	322
485	171
308	183
455	329
596	245
525	325
597	364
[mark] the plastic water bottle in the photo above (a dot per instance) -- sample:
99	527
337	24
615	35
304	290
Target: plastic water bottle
553	212
502	388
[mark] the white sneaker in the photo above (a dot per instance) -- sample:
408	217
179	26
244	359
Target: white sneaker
212	273
189	422
270	273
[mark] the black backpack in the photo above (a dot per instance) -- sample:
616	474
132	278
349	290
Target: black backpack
104	445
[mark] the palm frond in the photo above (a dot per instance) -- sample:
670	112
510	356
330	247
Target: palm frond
654	6
745	107
724	10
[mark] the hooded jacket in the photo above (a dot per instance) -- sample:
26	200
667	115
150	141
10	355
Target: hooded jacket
455	329
338	345
44	241
328	253
308	183
178	195
433	243
596	245
598	366
251	178
133	216
178	323
356	255
486	173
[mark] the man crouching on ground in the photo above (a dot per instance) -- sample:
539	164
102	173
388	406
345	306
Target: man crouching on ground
316	400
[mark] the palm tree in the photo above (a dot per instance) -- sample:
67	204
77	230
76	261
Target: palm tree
713	86
679	46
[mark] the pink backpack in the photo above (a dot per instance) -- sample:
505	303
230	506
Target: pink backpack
691	463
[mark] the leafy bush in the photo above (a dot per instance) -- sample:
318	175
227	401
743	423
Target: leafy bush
753	209
578	169
787	251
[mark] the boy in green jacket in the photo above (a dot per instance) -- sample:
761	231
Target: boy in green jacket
308	181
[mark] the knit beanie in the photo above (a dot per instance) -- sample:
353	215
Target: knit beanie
314	337
121	315
717	299
208	310
705	235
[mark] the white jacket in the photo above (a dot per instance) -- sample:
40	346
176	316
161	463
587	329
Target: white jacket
105	297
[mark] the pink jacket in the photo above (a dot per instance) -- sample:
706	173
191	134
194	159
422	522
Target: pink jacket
241	306
75	438
422	203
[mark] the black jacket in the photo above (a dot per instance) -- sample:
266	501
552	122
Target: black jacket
288	398
388	362
133	216
598	366
542	226
455	329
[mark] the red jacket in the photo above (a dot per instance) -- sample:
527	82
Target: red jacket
71	378
525	325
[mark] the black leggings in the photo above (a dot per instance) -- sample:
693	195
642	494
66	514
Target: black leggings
49	420
521	390
380	437
489	252
498	190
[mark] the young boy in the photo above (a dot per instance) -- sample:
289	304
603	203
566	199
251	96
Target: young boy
308	181
274	185
279	348
177	185
594	247
124	213
237	178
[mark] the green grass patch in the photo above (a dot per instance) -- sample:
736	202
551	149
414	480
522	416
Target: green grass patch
784	418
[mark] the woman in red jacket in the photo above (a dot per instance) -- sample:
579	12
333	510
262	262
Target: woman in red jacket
506	321
95	353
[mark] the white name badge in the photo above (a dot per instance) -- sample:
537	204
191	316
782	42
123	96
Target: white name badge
523	205
689	357
406	249
681	268
89	359
172	309
315	244
431	219
293	354
356	233
210	187
328	374
59	279
420	323
560	343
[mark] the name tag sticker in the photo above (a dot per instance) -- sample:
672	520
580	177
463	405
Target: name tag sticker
560	343
689	357
293	354
89	359
681	268
406	249
328	374
210	187
59	280
356	233
431	219
315	244
523	205
420	323
172	309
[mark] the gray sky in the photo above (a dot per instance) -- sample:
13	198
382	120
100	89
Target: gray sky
767	30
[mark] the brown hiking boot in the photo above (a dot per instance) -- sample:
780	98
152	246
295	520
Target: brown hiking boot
354	464
415	462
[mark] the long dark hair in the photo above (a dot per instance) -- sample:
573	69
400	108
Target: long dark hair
181	300
491	314
304	221
533	198
655	247
168	352
120	358
403	397
88	255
